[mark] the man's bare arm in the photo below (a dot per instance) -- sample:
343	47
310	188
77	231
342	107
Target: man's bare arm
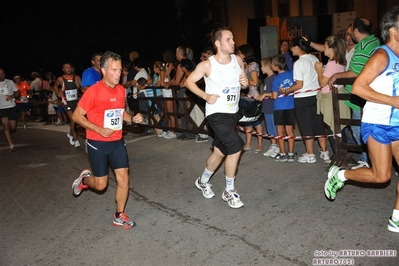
341	75
202	70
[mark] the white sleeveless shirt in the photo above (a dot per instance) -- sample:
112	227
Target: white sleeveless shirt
387	82
223	81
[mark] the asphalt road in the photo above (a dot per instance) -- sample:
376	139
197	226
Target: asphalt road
286	219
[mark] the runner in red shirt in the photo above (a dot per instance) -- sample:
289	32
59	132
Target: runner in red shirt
101	110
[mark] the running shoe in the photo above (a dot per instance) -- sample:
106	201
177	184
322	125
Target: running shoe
232	198
271	152
77	144
12	148
333	183
77	185
360	164
277	150
206	188
124	221
306	158
393	226
325	156
291	158
170	135
281	158
200	140
70	138
163	134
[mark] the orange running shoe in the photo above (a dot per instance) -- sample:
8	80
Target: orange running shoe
124	221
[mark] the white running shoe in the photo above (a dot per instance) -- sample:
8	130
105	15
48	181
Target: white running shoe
170	135
205	188
163	134
77	144
325	155
277	150
232	198
360	164
271	152
70	138
307	158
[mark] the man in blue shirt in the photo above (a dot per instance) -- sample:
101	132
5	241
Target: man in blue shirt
92	74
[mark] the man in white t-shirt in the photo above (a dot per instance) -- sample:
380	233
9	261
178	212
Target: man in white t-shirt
138	65
8	107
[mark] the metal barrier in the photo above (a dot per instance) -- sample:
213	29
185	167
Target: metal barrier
38	104
342	157
183	104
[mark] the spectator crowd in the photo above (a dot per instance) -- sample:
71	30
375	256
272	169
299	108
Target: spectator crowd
296	92
294	96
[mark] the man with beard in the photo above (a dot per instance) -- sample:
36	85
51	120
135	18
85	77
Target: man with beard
224	77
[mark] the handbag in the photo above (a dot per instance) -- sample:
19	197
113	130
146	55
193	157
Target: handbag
250	112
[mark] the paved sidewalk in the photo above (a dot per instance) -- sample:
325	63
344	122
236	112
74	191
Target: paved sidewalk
286	219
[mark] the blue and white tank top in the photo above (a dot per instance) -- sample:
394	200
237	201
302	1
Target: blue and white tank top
386	83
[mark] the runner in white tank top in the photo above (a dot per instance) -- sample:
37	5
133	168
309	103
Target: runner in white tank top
224	77
226	86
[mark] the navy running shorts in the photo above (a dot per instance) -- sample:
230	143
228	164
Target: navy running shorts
23	107
103	152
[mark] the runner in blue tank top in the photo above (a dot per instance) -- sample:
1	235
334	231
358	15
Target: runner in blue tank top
378	84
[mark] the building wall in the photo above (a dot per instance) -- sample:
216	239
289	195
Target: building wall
295	9
307	8
238	13
369	10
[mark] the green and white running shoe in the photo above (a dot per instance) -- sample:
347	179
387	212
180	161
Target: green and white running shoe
333	184
393	226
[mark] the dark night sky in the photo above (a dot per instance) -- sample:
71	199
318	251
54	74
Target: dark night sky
44	35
